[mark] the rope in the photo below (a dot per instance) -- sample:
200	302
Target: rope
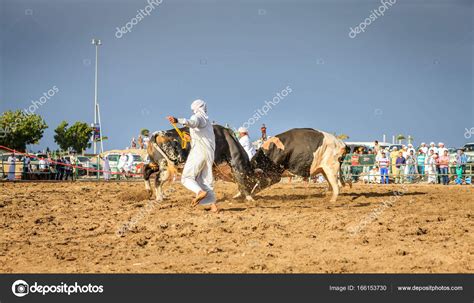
68	165
183	135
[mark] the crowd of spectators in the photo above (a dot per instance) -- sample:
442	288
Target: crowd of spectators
429	164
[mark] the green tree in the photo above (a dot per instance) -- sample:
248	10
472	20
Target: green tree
60	137
77	137
18	129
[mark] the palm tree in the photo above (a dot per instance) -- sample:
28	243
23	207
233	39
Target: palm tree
144	132
400	138
342	137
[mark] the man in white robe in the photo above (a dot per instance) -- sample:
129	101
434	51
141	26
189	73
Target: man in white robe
129	165
441	148
106	168
197	173
244	140
433	147
424	148
11	171
122	162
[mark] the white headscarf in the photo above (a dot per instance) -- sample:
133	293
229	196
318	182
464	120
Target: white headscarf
199	107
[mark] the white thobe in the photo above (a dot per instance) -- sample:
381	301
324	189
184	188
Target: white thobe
122	162
197	172
129	165
247	145
431	169
106	168
11	170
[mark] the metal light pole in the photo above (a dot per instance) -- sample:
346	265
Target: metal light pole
97	43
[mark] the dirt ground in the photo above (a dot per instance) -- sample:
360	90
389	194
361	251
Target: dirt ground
82	228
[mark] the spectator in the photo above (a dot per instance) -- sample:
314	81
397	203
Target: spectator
433	147
60	168
74	165
26	167
140	142
122	163
244	140
145	142
383	163
52	168
431	166
441	149
355	168
411	162
263	129
411	148
43	167
129	165
421	163
67	169
11	160
400	162
461	161
404	151
443	167
133	143
376	147
107	168
393	158
424	148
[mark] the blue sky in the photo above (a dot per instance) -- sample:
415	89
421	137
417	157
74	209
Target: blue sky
410	72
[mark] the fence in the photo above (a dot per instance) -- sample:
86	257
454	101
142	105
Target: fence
50	169
365	169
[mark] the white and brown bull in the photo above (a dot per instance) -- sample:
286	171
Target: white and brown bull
304	152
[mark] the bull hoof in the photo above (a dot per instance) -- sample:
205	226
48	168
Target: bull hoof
249	198
159	198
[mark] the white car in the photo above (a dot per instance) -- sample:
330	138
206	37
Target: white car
114	159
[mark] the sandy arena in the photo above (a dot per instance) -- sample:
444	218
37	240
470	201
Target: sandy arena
74	228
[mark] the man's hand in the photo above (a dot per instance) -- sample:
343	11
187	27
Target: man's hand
172	119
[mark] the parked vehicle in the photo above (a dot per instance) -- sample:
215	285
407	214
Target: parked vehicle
114	159
469	151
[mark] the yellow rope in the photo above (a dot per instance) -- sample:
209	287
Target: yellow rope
185	138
